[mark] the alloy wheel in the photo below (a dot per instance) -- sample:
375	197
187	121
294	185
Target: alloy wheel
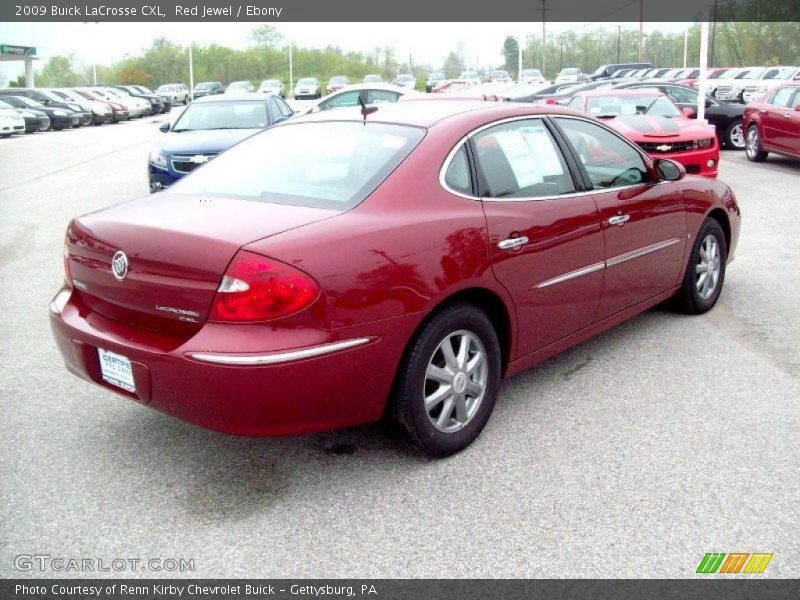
707	269
455	381
752	142
736	136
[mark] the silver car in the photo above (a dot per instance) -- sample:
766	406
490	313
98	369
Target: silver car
273	85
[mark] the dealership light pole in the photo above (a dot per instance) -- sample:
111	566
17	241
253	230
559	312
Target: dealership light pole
291	74
685	45
519	59
191	73
544	37
641	30
702	87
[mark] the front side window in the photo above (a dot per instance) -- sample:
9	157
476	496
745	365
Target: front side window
520	159
608	159
332	165
782	97
681	95
341	100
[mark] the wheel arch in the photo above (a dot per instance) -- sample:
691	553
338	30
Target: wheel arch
721	217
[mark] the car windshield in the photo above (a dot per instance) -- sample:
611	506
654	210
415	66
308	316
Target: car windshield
51	95
223	115
167	88
238	85
142	89
338	80
532	72
204	86
435	76
405	77
29	101
646	104
325	165
372	78
468	75
307	81
569	72
499	74
780	73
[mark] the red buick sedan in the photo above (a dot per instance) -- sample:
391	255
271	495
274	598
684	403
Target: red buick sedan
660	128
772	124
344	267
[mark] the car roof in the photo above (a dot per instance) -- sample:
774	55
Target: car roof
424	112
234	97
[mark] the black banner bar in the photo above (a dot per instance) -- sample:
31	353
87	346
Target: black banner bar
405	11
732	588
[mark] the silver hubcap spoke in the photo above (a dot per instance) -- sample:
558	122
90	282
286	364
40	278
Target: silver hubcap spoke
708	267
737	136
455	381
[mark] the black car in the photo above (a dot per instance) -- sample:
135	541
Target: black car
166	100
84	117
156	102
60	118
35	120
606	71
563	92
207	88
726	117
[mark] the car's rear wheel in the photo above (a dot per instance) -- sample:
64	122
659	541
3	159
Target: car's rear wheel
753	147
705	272
734	136
448	381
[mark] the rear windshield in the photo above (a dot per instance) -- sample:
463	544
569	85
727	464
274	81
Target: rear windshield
223	115
332	165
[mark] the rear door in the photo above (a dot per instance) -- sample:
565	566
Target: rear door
545	240
643	220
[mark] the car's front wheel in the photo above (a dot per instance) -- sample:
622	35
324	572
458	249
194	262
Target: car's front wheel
753	147
448	381
705	272
734	136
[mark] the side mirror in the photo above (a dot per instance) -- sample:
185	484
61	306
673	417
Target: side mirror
797	108
688	112
669	170
164	128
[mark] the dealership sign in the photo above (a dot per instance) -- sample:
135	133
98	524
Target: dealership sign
17	50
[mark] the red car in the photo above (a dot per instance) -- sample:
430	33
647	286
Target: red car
772	124
418	254
652	120
337	83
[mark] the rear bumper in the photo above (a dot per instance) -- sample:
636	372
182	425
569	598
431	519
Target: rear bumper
340	387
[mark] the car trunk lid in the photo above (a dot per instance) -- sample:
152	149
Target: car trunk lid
176	248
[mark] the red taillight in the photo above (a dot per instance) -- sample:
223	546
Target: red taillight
257	288
65	253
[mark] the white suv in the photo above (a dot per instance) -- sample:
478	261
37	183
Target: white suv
772	78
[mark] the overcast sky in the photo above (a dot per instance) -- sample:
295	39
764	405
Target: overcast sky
427	42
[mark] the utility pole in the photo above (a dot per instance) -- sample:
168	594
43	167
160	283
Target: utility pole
714	36
291	74
191	73
702	83
641	30
685	45
544	10
519	59
619	32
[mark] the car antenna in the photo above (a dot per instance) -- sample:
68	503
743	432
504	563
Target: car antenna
366	110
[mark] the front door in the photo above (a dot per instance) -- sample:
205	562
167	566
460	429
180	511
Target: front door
643	219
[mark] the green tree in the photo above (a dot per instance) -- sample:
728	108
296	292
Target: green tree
511	56
59	71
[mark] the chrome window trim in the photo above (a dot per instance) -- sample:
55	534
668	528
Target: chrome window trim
274	358
611	262
448	159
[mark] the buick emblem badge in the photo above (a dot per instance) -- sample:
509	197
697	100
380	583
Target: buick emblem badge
119	265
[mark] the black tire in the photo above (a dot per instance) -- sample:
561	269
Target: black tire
689	298
734	137
753	148
408	403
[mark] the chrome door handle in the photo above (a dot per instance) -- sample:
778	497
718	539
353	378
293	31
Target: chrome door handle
512	243
619	220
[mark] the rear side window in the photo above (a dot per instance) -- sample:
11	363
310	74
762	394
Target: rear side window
324	164
520	159
457	176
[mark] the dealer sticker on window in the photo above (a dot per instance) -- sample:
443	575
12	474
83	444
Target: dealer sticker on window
116	370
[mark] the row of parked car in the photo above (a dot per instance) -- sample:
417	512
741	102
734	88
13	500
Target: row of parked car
29	110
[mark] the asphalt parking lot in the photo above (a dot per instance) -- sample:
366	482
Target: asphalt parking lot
631	455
